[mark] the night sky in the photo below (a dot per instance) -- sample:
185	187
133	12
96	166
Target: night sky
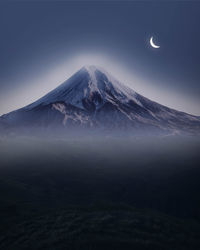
42	43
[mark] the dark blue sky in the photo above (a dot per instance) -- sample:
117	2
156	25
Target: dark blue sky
39	37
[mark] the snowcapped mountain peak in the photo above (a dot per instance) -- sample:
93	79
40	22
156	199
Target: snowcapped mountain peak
90	84
90	68
93	71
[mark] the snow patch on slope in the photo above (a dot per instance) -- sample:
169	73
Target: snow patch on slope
75	116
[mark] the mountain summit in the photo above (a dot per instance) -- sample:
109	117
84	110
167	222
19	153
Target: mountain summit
93	99
89	88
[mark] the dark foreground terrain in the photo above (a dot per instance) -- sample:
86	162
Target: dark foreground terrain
100	193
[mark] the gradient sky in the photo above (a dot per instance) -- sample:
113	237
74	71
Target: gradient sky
43	42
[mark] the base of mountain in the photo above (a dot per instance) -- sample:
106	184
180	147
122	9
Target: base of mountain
100	193
97	227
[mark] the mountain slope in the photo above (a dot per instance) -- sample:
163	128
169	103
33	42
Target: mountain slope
92	98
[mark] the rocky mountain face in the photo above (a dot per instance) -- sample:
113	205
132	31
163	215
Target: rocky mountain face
92	99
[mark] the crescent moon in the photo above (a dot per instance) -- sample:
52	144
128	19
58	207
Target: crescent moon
153	44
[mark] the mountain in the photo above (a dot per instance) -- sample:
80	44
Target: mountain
93	99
